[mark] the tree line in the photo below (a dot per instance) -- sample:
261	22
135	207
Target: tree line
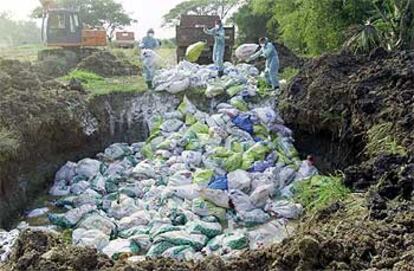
312	27
15	33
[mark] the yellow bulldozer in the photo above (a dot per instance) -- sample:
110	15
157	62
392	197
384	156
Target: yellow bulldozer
63	27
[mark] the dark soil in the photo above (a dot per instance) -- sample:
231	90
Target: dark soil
40	251
342	96
54	63
108	65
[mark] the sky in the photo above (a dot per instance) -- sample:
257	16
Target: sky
148	13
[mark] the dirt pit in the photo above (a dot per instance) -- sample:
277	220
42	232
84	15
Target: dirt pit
344	96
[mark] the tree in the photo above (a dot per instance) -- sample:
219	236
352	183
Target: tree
390	25
251	26
106	13
110	15
17	32
312	26
221	8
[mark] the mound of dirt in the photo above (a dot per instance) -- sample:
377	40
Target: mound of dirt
343	96
108	65
287	58
41	251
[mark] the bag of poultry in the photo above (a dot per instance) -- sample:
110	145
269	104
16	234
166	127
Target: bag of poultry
244	51
194	51
150	58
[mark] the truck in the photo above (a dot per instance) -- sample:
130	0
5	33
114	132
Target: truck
190	31
125	39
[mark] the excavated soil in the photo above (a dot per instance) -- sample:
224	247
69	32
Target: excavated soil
332	103
54	63
108	65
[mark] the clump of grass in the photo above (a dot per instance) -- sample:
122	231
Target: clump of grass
320	191
288	74
98	85
381	141
9	144
83	76
262	87
127	84
67	236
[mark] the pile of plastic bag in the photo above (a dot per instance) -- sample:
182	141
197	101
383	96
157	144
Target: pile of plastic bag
186	75
7	240
203	183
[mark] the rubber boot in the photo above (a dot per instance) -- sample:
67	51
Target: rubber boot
220	74
149	84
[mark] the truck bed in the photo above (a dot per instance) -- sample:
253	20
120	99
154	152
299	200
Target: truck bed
191	31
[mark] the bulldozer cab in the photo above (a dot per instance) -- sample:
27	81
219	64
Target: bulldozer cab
62	27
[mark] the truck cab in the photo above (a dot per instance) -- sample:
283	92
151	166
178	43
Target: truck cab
190	31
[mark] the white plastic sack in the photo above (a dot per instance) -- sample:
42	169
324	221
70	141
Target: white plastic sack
239	179
285	175
306	170
241	201
38	212
144	169
216	196
244	51
191	158
261	194
180	178
67	172
214	89
143	240
90	238
7	241
284	209
150	58
171	125
270	233
88	167
59	189
253	217
122	208
139	218
180	238
267	115
99	222
188	192
80	187
117	246
178	86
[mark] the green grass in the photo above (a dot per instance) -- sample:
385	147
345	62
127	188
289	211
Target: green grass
67	236
381	141
320	191
288	74
97	85
27	52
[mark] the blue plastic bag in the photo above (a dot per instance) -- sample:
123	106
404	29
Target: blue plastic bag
261	166
244	122
219	182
